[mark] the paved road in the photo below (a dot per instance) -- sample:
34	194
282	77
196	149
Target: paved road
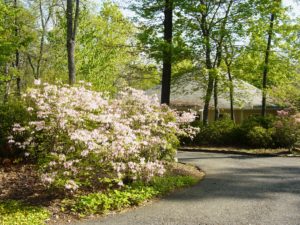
237	190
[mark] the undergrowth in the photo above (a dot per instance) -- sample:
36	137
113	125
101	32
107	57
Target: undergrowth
14	212
135	194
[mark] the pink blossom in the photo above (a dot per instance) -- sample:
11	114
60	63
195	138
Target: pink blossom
282	113
93	134
71	185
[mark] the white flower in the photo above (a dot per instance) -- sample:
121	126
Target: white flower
11	141
61	157
47	178
29	109
84	153
121	183
71	185
37	82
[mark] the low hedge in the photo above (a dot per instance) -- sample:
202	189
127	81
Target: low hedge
255	132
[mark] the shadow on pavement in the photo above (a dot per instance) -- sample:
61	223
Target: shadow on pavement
256	183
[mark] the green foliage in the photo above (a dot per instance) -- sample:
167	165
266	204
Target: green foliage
252	121
142	76
283	69
259	137
103	48
218	133
15	212
11	112
113	200
135	194
9	42
254	132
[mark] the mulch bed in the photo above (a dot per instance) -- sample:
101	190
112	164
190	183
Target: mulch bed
20	181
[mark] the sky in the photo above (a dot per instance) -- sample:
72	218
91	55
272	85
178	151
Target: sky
294	4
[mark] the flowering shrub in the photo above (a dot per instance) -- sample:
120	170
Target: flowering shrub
286	129
83	139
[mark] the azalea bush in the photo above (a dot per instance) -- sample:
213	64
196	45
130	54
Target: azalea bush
84	139
286	129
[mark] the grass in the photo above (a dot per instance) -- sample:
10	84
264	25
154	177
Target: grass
132	195
14	212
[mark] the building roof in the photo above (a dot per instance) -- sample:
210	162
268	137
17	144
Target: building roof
188	91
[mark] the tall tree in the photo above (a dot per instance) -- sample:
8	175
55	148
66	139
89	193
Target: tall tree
17	54
72	24
160	36
14	37
229	53
36	55
167	52
210	18
266	65
44	23
271	50
219	55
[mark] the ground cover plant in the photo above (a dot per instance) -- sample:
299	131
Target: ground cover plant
131	195
15	212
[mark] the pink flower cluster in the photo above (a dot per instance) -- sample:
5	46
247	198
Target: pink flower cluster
282	113
83	135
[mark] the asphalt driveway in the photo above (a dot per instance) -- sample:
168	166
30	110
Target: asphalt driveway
237	190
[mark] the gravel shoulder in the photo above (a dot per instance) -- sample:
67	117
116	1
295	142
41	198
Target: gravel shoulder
238	189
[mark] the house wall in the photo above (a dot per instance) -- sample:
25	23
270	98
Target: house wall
239	114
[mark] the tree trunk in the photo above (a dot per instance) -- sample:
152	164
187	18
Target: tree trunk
266	67
217	64
71	61
208	64
7	86
17	54
71	34
216	94
17	65
44	22
208	95
228	61
230	92
218	60
167	53
41	53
